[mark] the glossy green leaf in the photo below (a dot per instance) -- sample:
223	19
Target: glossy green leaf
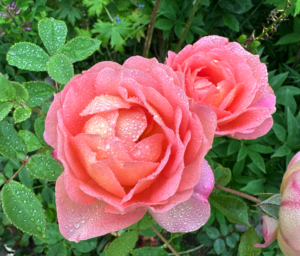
2	179
234	146
219	246
30	140
44	167
280	132
164	24
233	208
254	187
27	56
11	145
149	251
53	34
59	249
292	125
7	90
284	150
21	92
246	247
122	245
86	245
60	68
289	39
231	22
39	92
39	127
257	160
21	114
5	108
261	148
243	152
80	48
23	209
276	81
222	175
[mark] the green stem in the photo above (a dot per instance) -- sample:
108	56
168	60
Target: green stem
266	31
165	241
112	20
150	29
238	193
187	26
188	251
16	173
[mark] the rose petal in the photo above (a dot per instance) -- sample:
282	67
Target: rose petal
80	222
269	231
131	123
104	103
286	250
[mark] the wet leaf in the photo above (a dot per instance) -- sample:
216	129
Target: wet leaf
21	93
23	209
44	167
60	68
27	56
59	249
7	91
39	92
80	48
30	140
21	114
39	128
53	34
5	108
246	247
122	245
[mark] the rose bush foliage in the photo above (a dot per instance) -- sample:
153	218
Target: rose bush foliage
130	141
231	81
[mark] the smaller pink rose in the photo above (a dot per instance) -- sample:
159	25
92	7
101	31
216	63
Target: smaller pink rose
231	81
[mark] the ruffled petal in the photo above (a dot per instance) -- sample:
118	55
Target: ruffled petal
269	231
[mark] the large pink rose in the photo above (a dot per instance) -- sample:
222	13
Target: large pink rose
230	80
130	142
287	228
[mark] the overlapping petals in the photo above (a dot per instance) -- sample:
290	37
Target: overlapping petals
231	81
130	142
286	229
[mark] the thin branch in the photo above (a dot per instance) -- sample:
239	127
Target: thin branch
16	173
187	25
165	241
266	31
150	29
188	251
238	193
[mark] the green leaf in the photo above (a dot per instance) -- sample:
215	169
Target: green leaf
276	81
95	7
234	146
85	246
279	132
290	102
271	205
39	92
164	24
212	233
23	209
282	151
44	167
5	108
222	175
53	235
246	247
254	186
149	251
59	249
224	229
122	245
115	32
292	125
7	90
11	145
261	148
30	140
231	22
219	246
48	195
257	160
80	48
21	93
238	167
60	68
21	114
289	39
146	222
297	8
233	208
242	153
230	241
2	179
27	56
39	128
53	34
24	178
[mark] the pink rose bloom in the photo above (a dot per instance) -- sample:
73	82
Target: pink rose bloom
231	81
287	228
130	142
